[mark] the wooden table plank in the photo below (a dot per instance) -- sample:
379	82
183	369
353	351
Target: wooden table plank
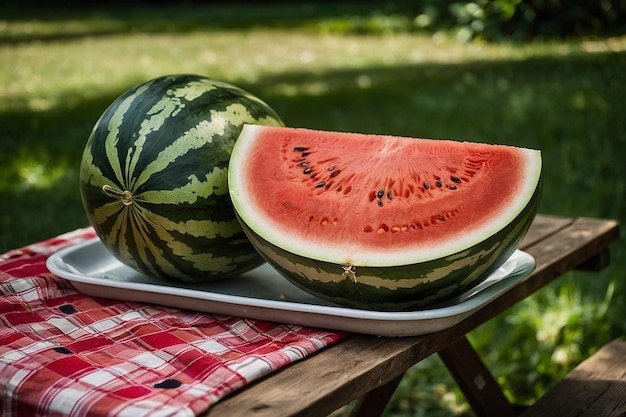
348	370
544	226
596	387
333	377
582	240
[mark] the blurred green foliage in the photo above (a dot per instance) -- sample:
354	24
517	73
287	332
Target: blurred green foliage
523	20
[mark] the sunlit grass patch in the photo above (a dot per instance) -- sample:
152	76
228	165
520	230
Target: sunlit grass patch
34	174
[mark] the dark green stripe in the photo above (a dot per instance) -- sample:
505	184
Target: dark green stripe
158	141
195	111
237	250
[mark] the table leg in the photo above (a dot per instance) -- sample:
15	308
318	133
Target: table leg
374	402
480	388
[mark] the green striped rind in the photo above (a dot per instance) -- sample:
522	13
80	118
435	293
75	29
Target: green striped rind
401	288
168	142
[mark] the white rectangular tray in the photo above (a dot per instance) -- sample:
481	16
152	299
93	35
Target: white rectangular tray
264	294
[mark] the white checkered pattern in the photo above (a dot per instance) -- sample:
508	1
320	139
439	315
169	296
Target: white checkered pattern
65	354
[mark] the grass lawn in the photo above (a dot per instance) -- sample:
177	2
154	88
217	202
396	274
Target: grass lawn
59	70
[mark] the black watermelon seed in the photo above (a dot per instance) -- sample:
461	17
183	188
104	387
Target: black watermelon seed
438	184
452	187
168	384
299	149
302	164
426	186
305	154
67	309
389	195
380	203
308	171
380	194
455	179
320	184
335	173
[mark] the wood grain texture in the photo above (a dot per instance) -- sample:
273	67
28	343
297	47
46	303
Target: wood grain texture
596	387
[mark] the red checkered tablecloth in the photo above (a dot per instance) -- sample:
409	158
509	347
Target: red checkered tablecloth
65	354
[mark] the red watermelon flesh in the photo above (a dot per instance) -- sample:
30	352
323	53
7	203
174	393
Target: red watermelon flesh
377	200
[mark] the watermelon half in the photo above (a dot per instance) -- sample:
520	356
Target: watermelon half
382	222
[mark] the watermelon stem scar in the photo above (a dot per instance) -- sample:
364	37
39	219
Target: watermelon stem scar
126	196
349	271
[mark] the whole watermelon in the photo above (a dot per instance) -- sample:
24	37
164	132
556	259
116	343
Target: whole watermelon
153	177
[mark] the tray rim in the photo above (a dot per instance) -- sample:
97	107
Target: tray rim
351	319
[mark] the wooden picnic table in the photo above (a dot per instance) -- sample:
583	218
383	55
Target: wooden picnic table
369	368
